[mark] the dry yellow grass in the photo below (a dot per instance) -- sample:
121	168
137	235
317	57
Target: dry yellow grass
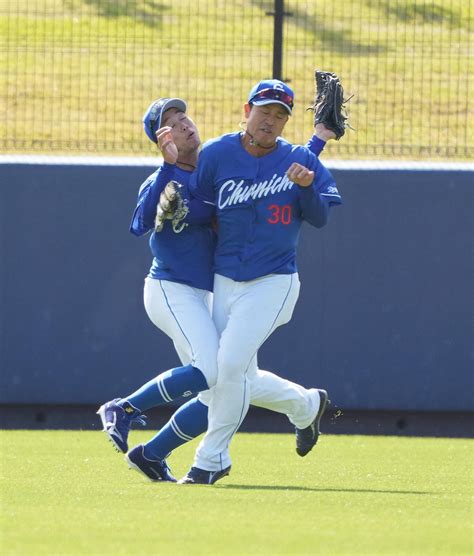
78	74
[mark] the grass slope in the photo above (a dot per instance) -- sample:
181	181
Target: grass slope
66	492
78	74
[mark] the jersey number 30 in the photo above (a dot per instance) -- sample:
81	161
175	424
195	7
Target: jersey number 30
280	214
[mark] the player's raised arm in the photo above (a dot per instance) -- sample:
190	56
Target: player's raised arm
201	211
167	124
166	144
148	197
317	190
201	185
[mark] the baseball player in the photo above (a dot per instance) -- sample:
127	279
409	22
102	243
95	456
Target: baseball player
177	300
262	188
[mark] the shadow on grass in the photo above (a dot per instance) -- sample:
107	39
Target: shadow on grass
423	13
149	12
337	40
327	489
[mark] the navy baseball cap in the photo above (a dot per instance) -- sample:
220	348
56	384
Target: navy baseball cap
270	91
154	113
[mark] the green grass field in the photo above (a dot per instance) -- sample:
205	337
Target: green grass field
68	492
78	74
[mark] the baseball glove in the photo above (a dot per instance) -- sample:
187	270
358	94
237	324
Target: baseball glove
329	104
171	206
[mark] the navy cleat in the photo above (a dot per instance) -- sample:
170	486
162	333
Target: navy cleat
198	476
306	438
117	421
156	470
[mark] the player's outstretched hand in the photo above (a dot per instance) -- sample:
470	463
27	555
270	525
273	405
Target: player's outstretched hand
166	144
300	175
324	133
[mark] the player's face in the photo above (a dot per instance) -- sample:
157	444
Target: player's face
183	129
266	123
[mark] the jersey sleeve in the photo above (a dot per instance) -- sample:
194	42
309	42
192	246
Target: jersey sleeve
325	184
316	200
148	196
200	213
316	145
201	185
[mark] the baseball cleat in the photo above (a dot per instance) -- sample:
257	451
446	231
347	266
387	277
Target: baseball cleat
306	438
155	470
117	421
198	476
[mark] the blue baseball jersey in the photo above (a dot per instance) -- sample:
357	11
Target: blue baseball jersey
187	257
259	210
184	257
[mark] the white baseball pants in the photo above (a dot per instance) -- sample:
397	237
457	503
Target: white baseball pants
245	314
184	314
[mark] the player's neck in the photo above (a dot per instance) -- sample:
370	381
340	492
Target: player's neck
186	166
254	148
187	161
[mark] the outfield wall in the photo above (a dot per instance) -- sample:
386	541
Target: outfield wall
384	319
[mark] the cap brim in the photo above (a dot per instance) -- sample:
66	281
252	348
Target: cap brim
150	130
171	103
272	101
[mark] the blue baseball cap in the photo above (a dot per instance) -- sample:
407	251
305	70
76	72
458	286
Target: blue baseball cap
154	113
270	91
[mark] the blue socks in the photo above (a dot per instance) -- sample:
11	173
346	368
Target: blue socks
188	422
170	385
